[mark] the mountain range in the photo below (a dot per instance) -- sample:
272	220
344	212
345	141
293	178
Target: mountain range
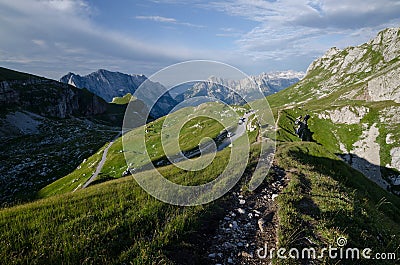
232	91
108	85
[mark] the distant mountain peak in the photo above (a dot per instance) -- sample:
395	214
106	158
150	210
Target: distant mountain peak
289	74
108	85
227	90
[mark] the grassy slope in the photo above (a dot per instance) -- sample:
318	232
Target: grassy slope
115	223
74	179
123	100
326	198
115	164
110	223
329	134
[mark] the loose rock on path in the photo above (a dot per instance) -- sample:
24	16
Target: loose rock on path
250	222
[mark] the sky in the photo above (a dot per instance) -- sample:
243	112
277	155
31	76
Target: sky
53	37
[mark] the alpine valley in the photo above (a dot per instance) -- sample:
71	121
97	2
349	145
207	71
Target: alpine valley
69	196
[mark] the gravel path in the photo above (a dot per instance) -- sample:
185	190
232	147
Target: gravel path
101	164
250	222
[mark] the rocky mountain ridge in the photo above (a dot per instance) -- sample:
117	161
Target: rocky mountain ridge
225	89
371	68
105	84
108	84
269	83
353	97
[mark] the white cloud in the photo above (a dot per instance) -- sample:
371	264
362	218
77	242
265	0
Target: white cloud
40	43
67	5
288	28
313	13
230	32
157	19
51	38
168	20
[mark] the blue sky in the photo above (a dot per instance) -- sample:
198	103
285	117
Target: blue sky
51	38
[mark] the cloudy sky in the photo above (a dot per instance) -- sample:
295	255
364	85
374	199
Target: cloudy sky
53	37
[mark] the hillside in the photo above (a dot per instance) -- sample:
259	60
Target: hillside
326	198
353	97
366	72
117	222
116	166
133	226
46	97
338	190
42	124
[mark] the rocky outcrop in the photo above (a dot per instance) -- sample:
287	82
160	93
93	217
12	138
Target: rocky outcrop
367	156
390	115
372	69
7	94
49	98
395	154
373	55
357	90
345	115
385	87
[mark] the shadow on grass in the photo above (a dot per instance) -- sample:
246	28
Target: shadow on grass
352	178
354	205
100	180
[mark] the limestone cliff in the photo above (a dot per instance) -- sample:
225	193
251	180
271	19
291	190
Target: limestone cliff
370	71
353	96
49	98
